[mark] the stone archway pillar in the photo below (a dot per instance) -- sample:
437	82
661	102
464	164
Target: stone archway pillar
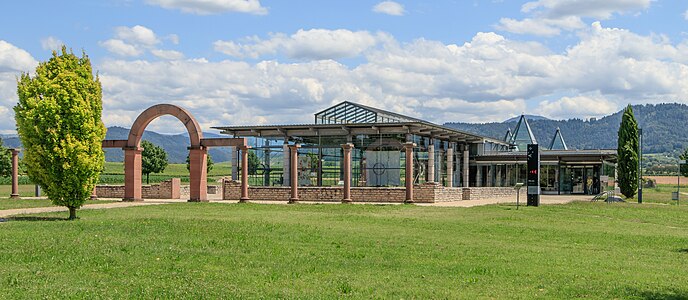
450	166
132	174
198	174
347	172
15	174
244	174
408	149
294	172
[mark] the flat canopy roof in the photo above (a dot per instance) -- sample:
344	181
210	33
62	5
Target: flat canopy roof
565	156
425	129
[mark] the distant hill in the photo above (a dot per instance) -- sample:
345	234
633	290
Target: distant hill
175	145
529	117
664	129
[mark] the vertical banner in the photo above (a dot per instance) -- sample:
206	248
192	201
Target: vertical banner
533	155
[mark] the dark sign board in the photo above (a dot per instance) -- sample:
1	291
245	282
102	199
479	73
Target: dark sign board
533	155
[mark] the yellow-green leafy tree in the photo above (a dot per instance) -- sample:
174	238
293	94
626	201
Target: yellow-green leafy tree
59	123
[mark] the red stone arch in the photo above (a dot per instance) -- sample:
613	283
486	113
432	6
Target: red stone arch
197	153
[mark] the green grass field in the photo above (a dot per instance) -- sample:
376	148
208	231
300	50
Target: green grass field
216	250
114	173
6	203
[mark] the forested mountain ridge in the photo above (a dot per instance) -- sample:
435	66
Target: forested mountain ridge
664	129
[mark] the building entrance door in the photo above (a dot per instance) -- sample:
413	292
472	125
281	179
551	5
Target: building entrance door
578	181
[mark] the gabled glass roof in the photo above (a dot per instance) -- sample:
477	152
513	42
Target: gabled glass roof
558	142
351	113
522	135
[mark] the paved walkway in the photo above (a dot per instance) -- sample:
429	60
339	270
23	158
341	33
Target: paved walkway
545	199
36	210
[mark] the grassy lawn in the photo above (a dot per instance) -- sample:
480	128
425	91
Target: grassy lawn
6	203
24	190
662	194
215	250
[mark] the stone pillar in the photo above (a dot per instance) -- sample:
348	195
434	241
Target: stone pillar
198	173
499	180
15	174
285	164
294	172
132	174
408	149
508	175
478	175
234	158
347	172
450	166
466	168
244	174
94	194
431	161
490	175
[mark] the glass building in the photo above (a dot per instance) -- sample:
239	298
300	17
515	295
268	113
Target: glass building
441	155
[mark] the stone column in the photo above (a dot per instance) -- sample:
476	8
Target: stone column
94	193
285	163
450	166
347	172
466	167
431	161
234	158
244	174
294	172
408	149
490	174
499	180
508	176
198	174
15	174
478	175
132	174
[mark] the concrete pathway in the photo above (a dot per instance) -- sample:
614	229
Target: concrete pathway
545	199
36	210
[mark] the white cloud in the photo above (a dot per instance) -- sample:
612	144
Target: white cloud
551	17
207	7
304	44
137	35
685	15
584	8
580	107
540	27
51	43
13	62
135	41
121	48
167	54
390	8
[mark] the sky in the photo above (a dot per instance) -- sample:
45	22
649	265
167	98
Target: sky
239	62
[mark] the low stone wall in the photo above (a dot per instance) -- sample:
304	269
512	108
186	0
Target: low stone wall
424	193
478	193
168	189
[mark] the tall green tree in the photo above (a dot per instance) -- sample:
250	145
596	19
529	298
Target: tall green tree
5	161
59	124
684	167
153	159
627	151
253	163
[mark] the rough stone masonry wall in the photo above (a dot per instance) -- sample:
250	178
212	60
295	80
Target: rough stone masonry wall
424	193
168	189
478	193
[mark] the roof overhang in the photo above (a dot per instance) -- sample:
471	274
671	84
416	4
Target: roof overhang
424	129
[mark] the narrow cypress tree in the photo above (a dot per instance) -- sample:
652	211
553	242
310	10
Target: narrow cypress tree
627	151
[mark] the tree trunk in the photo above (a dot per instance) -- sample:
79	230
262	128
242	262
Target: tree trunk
72	213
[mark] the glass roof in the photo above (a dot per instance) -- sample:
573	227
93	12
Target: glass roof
522	135
558	142
349	112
